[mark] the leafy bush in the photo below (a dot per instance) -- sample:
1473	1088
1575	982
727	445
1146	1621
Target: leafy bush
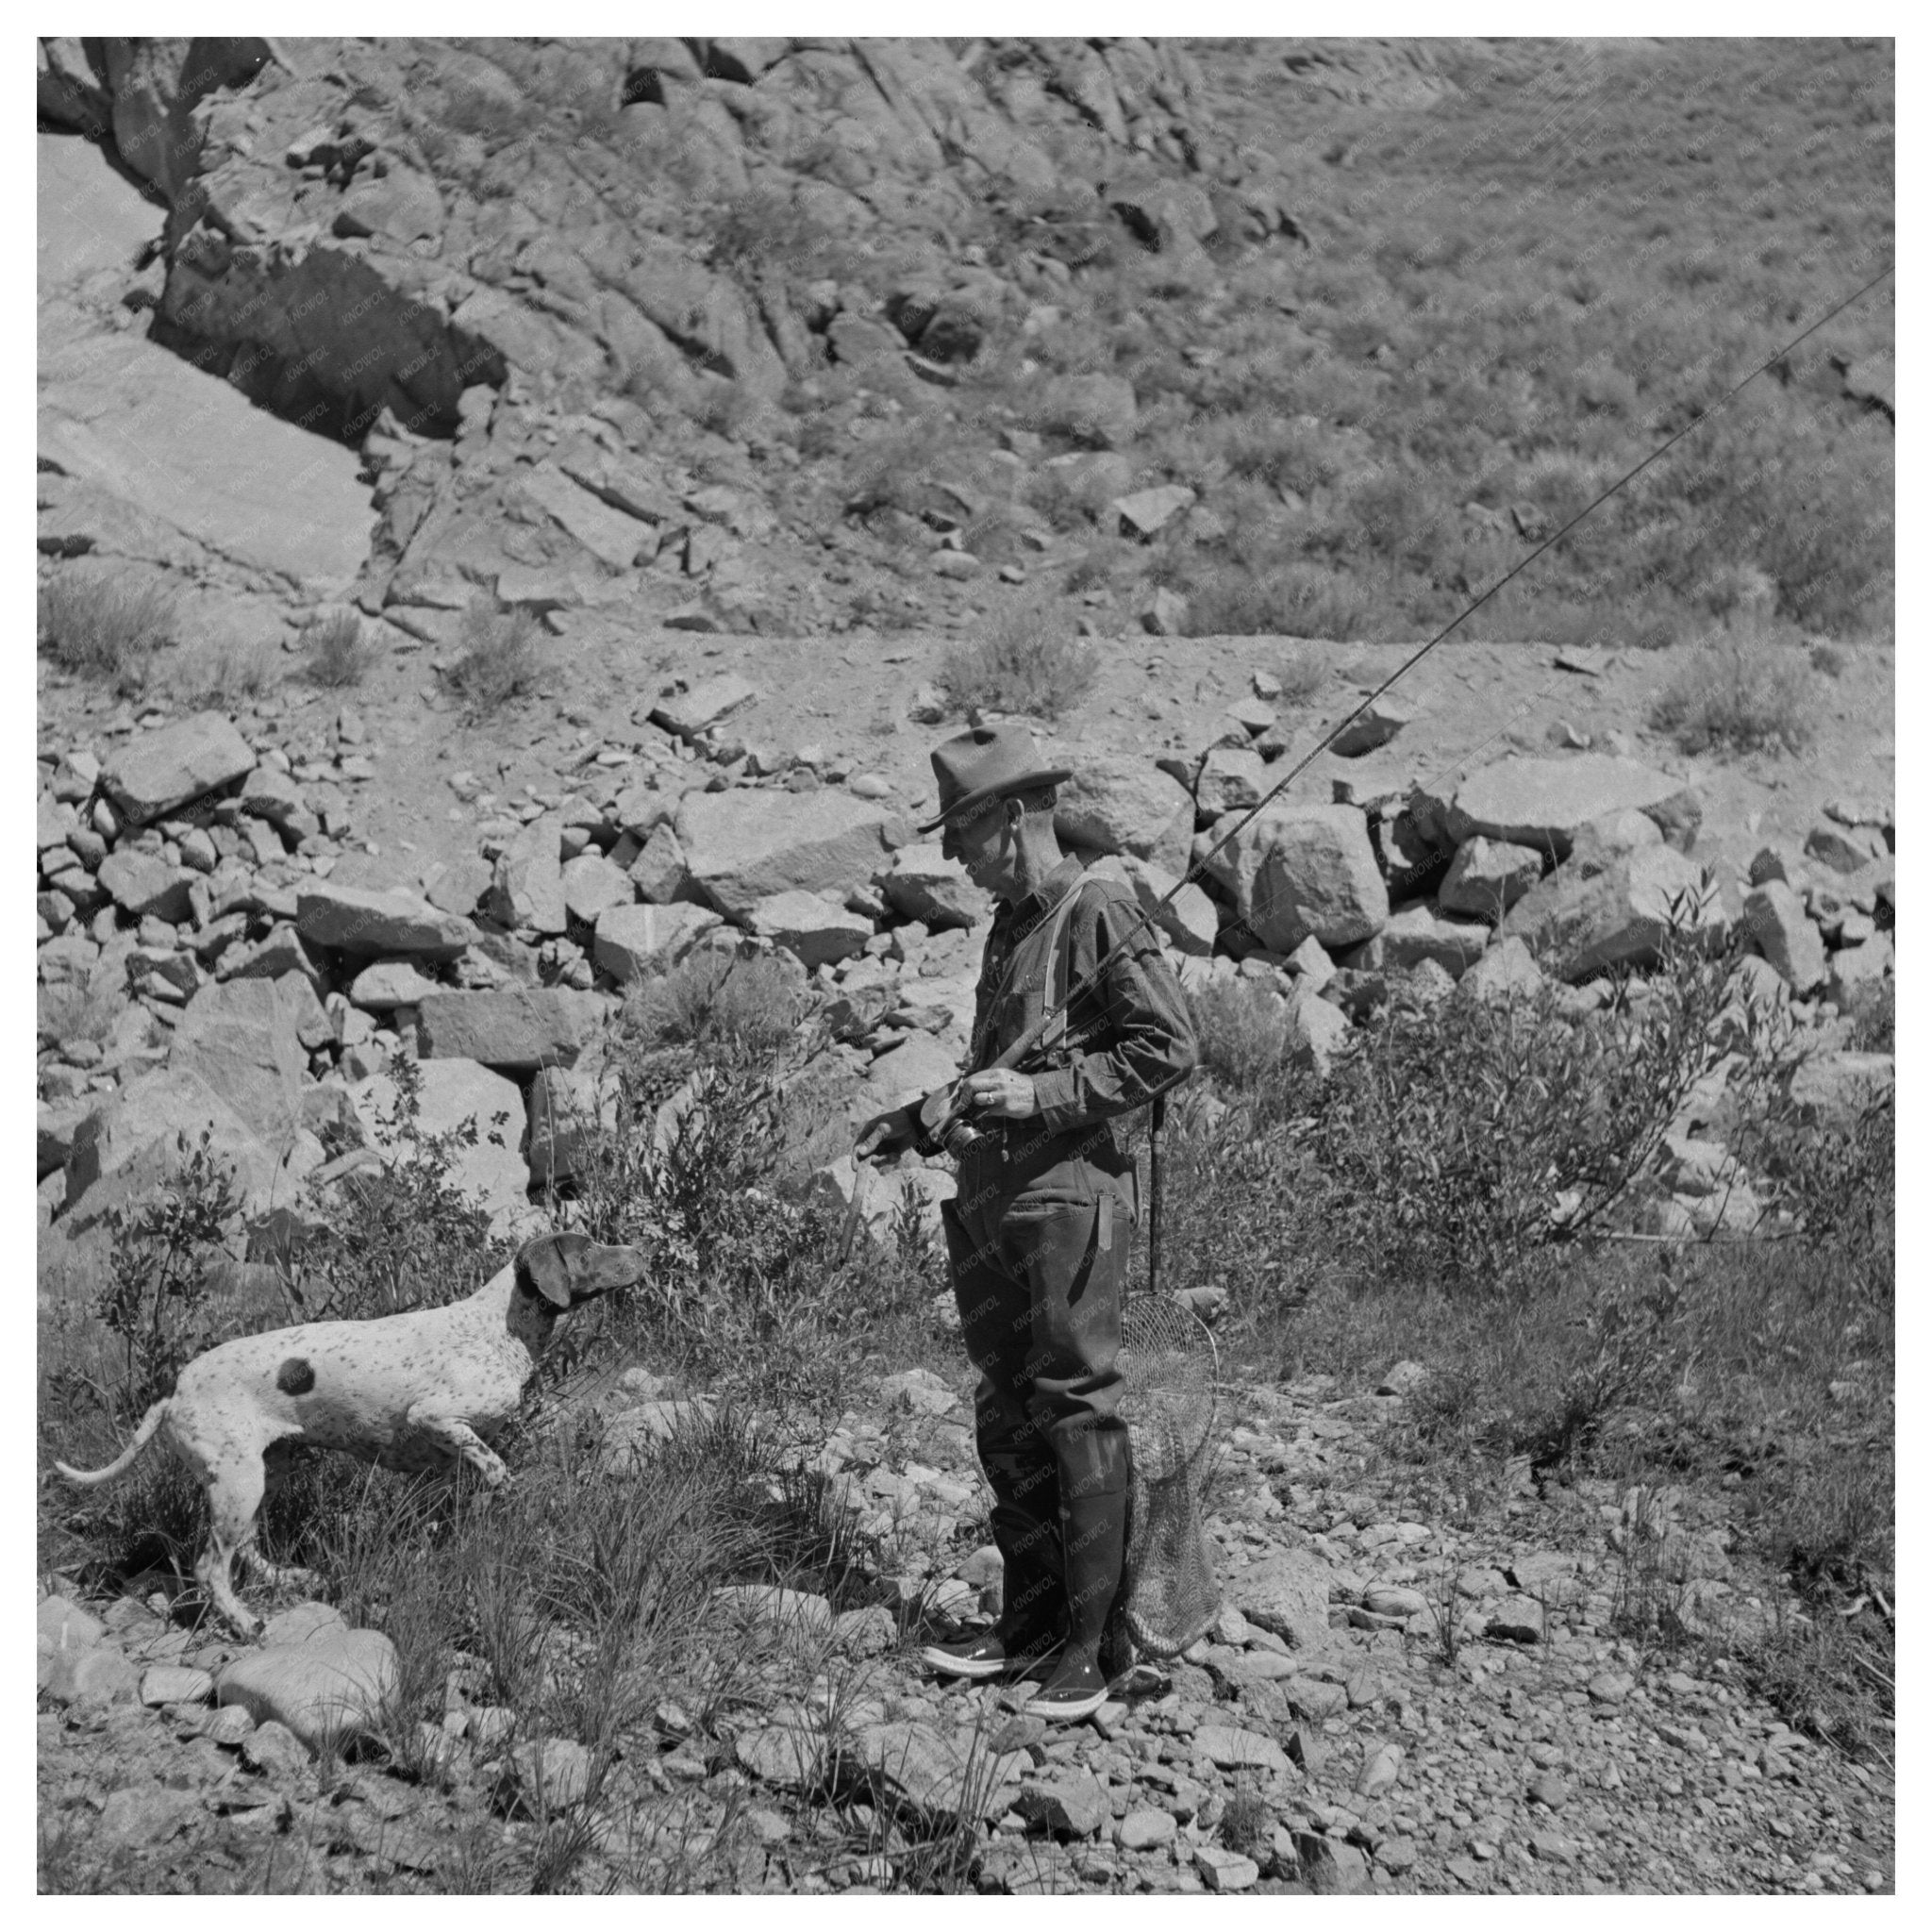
1739	694
1458	1140
156	1298
499	660
104	627
1024	663
337	652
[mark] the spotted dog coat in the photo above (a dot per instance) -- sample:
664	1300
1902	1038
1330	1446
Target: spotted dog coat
404	1391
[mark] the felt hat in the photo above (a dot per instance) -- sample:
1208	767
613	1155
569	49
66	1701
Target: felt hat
990	762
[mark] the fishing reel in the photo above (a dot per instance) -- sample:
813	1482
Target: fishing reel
943	1122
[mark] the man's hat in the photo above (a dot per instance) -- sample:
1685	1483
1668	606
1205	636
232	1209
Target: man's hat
988	761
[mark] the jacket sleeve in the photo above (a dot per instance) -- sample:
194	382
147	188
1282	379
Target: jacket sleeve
1132	1038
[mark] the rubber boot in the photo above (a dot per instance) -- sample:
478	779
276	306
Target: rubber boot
1095	1485
1026	1531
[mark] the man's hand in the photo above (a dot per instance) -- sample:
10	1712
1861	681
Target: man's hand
890	1132
1000	1093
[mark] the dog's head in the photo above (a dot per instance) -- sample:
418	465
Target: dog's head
565	1269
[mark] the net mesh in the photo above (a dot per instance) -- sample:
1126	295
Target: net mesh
1168	1365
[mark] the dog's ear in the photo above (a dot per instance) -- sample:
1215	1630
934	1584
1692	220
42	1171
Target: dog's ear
547	1265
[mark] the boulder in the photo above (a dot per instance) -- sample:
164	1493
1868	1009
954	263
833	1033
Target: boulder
353	919
696	711
939	1776
134	1136
591	885
153	773
744	845
1487	875
813	929
1774	917
883	1195
280	953
1845	848
1116	803
1286	1594
1317	1031
492	1173
1830	1088
527	890
542	1776
1379	721
333	1684
1095	409
1075	1803
1144	513
627	936
917	1066
146	886
610	535
568	1108
391	983
1618	917
1188	921
1231	778
659	872
514	1029
1543	803
460	887
1419	932
1300	869
243	1037
1506	971
923	883
1227	1748
1858	969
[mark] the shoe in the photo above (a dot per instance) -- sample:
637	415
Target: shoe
988	1654
1074	1690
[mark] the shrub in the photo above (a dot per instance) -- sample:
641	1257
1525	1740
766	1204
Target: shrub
337	652
499	660
1458	1140
156	1298
1739	694
234	673
745	1007
104	627
1021	663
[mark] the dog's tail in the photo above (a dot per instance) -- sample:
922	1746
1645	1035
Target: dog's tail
87	1478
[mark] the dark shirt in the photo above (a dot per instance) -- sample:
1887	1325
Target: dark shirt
1128	1037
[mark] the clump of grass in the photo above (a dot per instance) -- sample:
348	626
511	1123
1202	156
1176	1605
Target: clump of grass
227	677
337	652
499	660
1242	1030
103	627
1740	693
1301	674
717	1001
1023	663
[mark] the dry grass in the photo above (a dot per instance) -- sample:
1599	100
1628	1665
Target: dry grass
499	660
104	627
1742	691
335	653
1028	662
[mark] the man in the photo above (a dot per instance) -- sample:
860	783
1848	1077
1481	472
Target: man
1038	1234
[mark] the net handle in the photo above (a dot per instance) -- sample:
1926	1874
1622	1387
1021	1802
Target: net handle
1157	1116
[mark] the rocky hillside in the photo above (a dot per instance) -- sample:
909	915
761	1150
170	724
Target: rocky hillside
794	335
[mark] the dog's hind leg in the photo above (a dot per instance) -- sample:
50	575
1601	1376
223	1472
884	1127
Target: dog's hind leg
236	1483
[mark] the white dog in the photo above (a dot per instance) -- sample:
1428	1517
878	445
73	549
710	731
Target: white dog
406	1391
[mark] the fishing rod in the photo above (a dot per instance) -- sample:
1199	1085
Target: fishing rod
940	1111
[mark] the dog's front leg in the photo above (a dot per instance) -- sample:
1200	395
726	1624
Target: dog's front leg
459	1441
